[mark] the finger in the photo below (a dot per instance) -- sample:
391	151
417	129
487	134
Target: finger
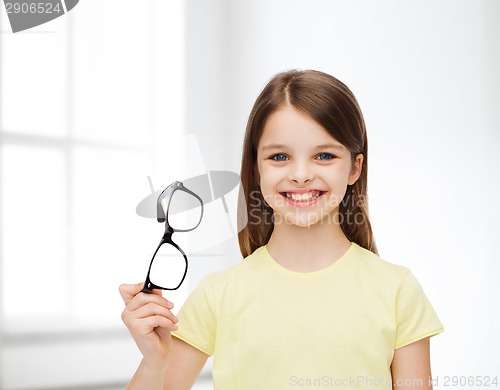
157	292
169	304
129	291
142	299
144	326
152	309
143	321
154	322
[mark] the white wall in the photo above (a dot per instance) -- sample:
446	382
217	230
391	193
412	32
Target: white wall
426	76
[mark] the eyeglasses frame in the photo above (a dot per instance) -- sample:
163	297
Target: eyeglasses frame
162	216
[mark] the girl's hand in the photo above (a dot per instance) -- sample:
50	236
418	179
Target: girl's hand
149	320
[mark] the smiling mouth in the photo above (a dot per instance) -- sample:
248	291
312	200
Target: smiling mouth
305	197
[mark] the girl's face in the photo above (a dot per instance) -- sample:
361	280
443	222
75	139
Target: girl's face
304	171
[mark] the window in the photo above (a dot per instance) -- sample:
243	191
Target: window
86	109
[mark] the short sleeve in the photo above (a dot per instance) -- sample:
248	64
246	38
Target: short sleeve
416	319
197	321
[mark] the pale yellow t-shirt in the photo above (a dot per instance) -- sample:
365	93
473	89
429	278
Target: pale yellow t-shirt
270	328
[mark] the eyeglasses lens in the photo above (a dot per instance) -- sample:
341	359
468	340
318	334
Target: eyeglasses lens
168	268
184	211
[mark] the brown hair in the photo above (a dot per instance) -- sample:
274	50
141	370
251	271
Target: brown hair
330	103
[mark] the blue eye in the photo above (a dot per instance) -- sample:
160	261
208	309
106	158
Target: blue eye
325	156
279	157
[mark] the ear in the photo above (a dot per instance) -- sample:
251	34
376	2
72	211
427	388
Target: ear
356	168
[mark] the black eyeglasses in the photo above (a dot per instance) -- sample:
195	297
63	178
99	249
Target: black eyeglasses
184	210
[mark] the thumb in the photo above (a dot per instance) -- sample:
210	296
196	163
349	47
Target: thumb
129	291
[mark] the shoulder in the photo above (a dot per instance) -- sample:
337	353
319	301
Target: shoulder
370	259
376	268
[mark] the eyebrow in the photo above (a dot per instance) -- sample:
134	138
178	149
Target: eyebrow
273	146
323	146
331	145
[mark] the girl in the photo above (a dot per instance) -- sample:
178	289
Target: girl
312	305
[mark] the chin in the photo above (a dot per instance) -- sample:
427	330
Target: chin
304	221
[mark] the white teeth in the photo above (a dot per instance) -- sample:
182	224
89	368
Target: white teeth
304	196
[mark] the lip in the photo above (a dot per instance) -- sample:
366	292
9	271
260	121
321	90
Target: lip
302	203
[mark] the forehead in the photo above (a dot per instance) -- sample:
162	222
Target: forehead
292	128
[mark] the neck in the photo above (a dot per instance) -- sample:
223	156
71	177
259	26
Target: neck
307	249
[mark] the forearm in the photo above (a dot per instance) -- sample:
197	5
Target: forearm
148	376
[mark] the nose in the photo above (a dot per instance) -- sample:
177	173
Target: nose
300	172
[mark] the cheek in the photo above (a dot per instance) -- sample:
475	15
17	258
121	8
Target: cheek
262	172
338	181
269	182
266	183
269	178
344	174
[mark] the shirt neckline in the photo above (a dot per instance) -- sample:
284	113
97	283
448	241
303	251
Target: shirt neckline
343	259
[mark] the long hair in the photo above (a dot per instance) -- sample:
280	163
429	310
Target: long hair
330	103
